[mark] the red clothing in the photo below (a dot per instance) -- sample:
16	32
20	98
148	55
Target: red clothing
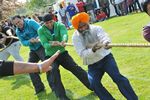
55	18
130	2
80	6
101	15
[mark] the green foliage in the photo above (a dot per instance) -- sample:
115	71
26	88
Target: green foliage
39	3
36	3
134	63
21	11
35	6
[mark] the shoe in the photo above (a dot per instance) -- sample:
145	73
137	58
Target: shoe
63	98
39	91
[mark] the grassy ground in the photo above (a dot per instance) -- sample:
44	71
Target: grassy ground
132	62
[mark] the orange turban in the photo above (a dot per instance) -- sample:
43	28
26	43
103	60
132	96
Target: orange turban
80	17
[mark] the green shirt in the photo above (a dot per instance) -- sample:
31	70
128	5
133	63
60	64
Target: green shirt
60	34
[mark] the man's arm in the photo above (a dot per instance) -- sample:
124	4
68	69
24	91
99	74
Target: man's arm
80	47
25	42
43	38
102	35
64	34
9	32
21	67
2	38
11	68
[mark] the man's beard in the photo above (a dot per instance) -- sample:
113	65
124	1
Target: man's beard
88	37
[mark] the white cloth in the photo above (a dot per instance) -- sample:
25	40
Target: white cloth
13	50
62	12
118	1
92	16
89	57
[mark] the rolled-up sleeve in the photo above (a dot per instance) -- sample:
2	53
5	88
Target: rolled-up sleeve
22	40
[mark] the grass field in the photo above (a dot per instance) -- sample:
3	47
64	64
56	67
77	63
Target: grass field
134	63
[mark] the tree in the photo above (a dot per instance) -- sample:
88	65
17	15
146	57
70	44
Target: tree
39	3
1	3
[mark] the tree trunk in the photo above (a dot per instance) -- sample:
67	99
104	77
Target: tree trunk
1	4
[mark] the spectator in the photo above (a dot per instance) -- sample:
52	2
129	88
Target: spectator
137	3
63	14
104	4
100	15
89	8
131	6
146	6
36	18
53	13
119	6
80	5
71	10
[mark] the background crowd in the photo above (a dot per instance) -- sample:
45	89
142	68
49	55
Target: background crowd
96	12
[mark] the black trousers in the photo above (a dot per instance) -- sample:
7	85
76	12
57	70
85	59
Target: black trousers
35	57
66	61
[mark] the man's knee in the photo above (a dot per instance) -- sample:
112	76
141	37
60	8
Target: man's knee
120	79
93	82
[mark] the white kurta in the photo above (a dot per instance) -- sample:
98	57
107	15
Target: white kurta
90	57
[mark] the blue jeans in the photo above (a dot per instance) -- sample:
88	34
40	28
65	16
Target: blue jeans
108	65
36	56
66	61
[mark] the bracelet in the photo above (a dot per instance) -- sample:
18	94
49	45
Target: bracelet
40	67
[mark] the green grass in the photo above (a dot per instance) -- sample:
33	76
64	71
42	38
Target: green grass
134	63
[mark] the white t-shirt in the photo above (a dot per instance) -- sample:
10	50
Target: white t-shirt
62	12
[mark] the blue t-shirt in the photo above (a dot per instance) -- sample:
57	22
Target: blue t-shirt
72	10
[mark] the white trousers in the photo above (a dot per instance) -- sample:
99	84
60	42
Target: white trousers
13	50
